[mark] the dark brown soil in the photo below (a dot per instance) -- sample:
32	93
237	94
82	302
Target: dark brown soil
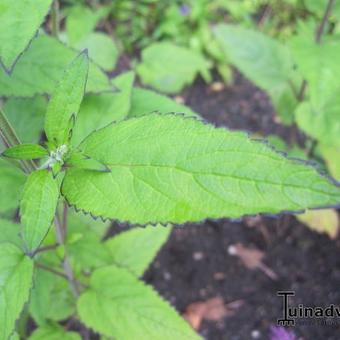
195	265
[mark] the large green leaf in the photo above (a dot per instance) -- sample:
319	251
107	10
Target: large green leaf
99	110
118	305
12	180
42	66
66	99
9	233
135	249
16	272
146	101
263	60
51	298
53	332
27	115
37	208
169	168
168	67
19	21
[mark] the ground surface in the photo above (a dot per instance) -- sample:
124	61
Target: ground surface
195	264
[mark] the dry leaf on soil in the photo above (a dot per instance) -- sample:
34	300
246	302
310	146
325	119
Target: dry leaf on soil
251	258
211	310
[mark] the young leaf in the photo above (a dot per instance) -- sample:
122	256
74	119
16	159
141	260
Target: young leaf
145	243
24	16
82	20
88	251
37	208
53	331
66	100
99	110
146	101
318	64
170	168
9	233
102	49
118	305
12	180
80	161
26	151
284	102
83	224
322	123
331	156
16	272
27	115
263	60
42	65
168	67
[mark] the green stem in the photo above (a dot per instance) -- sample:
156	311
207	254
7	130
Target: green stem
10	139
60	232
55	18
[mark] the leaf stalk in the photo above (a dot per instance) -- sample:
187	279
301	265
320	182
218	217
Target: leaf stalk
10	139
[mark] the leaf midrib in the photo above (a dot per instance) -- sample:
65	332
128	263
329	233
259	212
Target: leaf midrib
296	186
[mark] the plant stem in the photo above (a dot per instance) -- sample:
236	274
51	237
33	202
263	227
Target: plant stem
66	262
47	248
51	270
11	139
65	218
321	28
55	18
318	37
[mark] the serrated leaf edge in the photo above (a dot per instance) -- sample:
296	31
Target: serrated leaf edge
308	163
168	304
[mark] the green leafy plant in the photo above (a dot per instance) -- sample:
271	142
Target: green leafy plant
137	163
300	76
171	33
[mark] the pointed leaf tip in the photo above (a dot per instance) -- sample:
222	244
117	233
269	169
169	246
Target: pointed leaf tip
65	101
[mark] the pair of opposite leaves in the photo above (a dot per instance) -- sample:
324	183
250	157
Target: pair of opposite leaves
159	168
